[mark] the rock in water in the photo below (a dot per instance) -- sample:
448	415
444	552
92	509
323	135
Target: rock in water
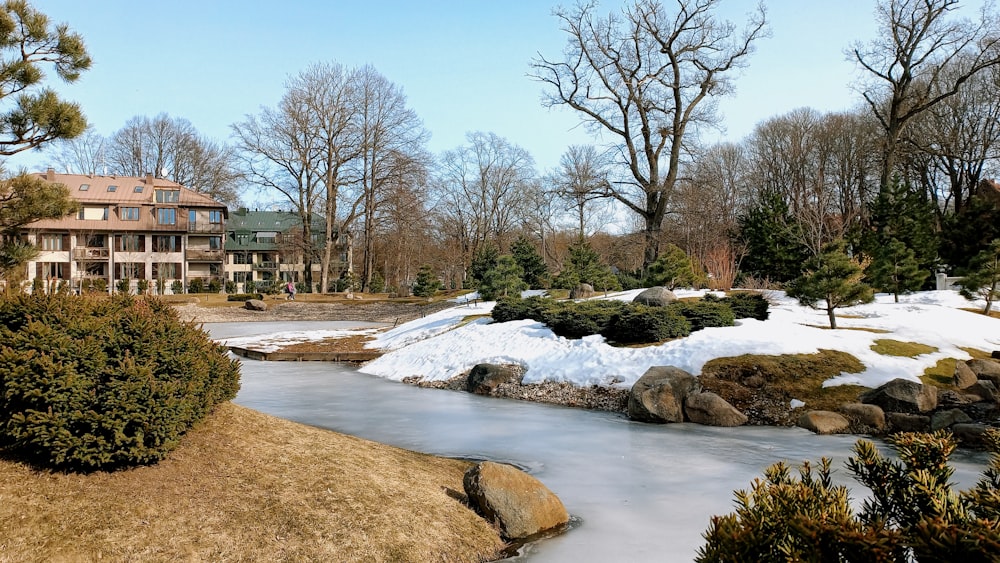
509	498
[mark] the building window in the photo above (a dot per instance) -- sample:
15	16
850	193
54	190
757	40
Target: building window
215	269
52	242
192	217
266	237
96	241
242	239
168	196
215	243
131	270
215	217
166	216
129	213
240	277
166	243
112	188
137	189
132	243
241	258
93	214
52	270
166	270
84	187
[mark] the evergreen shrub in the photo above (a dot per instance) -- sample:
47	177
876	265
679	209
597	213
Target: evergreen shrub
536	308
705	314
91	382
745	304
641	324
576	320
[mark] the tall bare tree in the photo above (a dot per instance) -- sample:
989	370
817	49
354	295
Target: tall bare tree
279	152
481	191
80	155
582	177
325	95
391	143
646	78
912	63
172	148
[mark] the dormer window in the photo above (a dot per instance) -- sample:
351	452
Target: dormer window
168	196
137	189
112	188
84	187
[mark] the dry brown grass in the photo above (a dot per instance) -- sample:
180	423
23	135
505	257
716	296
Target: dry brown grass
245	486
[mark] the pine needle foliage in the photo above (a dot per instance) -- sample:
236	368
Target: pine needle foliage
913	514
834	278
92	382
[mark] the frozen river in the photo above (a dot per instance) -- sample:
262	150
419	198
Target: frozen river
642	492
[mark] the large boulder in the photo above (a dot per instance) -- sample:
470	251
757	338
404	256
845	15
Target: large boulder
255	305
582	291
964	376
902	395
658	396
973	435
984	389
657	296
824	422
484	378
871	416
947	418
517	503
712	410
903	422
987	369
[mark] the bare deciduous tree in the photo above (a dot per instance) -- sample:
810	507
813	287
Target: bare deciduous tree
646	78
921	57
171	148
582	178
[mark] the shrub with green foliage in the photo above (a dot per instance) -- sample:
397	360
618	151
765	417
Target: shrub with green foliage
745	304
196	285
641	324
92	383
704	314
576	320
673	268
427	283
244	296
536	308
912	515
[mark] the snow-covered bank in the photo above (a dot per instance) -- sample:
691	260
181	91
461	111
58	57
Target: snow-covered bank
447	343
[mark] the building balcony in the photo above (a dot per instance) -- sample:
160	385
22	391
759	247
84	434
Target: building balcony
265	266
205	228
91	253
203	255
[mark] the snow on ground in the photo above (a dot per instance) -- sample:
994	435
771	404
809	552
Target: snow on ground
449	342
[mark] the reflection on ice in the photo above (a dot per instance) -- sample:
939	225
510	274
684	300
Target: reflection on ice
642	492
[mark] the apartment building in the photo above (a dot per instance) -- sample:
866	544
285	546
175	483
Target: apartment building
267	248
130	228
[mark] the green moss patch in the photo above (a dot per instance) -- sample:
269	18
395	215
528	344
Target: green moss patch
762	386
889	347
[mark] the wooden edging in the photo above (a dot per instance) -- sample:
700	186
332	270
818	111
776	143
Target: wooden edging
279	356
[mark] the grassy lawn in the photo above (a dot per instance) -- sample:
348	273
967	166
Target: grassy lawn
244	486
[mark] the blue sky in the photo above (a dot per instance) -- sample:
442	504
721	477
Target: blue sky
462	64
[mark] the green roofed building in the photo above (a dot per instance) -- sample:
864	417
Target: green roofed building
267	248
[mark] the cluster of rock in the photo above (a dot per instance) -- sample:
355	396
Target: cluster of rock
902	405
670	394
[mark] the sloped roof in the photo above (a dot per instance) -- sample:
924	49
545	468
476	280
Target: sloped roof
127	189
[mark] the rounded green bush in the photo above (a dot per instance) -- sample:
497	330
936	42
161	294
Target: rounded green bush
94	382
641	324
704	314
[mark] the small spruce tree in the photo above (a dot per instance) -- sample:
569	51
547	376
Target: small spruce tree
503	280
536	272
672	269
427	283
983	279
585	266
834	278
484	260
894	269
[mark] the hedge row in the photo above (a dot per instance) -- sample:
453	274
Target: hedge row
629	323
101	383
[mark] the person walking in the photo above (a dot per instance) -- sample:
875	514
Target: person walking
290	290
